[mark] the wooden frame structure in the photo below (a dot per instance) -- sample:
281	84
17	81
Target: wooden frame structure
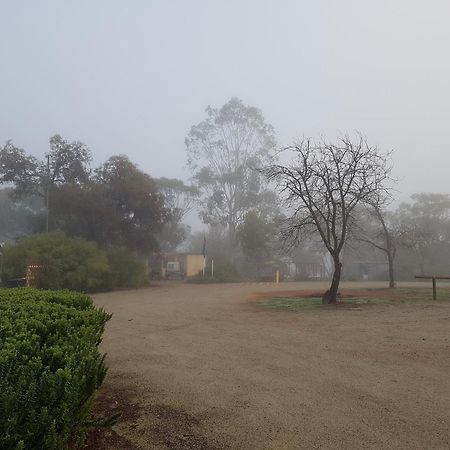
433	280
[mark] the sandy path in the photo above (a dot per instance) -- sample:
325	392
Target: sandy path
202	367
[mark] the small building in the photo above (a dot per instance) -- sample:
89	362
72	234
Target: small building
177	265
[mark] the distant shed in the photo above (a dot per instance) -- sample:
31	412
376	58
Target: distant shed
178	265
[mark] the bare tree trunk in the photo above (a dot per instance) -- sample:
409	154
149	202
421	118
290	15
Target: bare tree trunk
331	295
390	248
391	269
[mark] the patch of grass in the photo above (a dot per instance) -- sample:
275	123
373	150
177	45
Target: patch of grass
358	299
309	303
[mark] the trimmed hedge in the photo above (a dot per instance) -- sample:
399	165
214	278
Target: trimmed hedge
50	367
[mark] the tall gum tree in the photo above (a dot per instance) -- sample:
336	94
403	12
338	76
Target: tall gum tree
322	188
223	152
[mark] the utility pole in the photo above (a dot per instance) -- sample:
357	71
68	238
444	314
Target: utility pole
47	195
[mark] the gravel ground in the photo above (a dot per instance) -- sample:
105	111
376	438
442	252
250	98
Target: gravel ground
204	367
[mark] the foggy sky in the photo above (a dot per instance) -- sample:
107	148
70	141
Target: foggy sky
133	76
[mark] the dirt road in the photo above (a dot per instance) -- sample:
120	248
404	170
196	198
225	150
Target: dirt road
203	367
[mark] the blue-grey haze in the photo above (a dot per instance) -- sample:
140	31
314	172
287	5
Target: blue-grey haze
133	76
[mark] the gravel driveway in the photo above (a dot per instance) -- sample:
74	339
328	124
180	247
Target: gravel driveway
205	367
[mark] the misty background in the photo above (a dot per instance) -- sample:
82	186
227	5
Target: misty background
133	77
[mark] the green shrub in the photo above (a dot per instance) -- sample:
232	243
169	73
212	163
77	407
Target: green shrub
126	271
70	263
50	367
73	263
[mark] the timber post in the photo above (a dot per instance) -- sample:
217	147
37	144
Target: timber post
433	279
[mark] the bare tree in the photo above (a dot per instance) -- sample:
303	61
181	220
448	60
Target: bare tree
383	233
322	189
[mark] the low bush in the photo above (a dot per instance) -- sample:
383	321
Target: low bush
50	367
72	263
126	271
69	263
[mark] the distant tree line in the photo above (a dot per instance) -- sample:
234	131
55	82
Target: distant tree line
115	204
120	212
262	207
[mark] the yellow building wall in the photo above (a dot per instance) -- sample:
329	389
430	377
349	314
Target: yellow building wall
194	265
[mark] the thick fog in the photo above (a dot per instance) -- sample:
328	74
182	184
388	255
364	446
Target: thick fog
133	77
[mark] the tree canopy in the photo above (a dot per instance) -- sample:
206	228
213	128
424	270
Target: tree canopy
115	205
180	199
65	162
223	152
426	229
120	205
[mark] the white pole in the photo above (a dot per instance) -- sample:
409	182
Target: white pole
204	256
47	196
212	268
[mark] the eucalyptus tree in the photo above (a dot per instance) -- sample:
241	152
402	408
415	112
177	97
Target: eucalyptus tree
224	151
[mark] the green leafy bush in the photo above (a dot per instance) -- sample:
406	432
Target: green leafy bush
50	367
72	263
125	270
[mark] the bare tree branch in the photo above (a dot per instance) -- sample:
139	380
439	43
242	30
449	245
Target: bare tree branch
323	187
